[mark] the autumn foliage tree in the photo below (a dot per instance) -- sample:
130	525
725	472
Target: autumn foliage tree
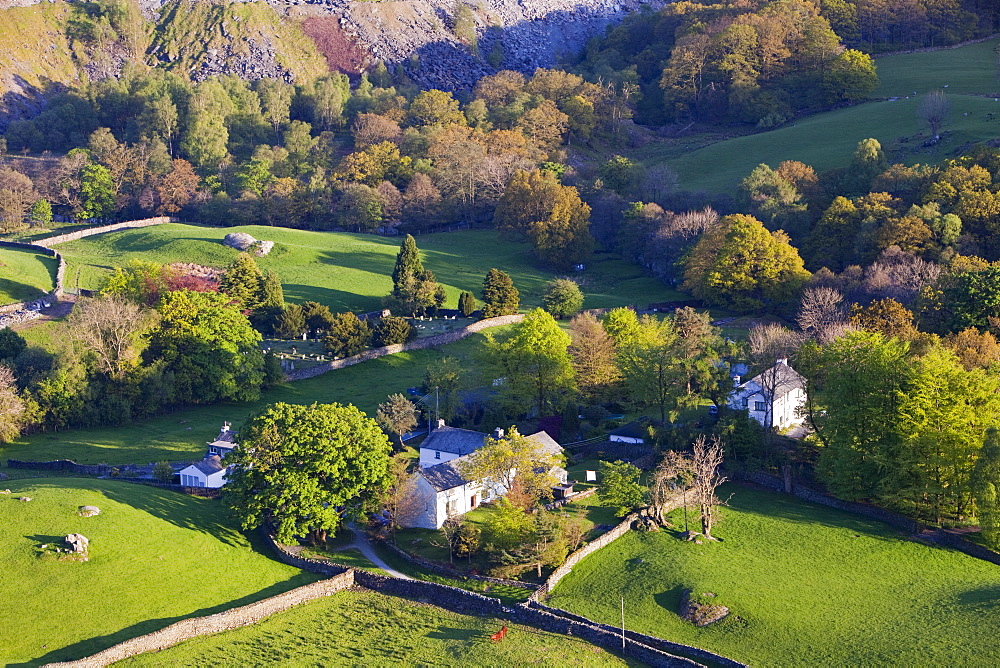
740	265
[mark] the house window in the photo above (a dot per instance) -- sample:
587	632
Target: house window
759	406
437	455
745	403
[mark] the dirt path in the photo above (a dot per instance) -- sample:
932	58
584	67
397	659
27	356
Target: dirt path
57	311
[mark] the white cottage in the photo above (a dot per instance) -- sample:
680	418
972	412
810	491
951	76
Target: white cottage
773	397
441	489
209	472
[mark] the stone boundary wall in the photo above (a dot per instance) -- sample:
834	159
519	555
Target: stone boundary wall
967	546
709	658
928	49
114	227
447	572
60	273
312	565
576	497
222	621
939	536
62	465
43	246
776	484
593	546
471	603
417	344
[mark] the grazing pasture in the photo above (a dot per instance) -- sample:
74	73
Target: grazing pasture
366	628
156	557
968	75
25	275
354	271
805	585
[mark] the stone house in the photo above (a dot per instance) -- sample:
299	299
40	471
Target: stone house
440	488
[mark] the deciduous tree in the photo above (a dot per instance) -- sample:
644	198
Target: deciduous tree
303	469
397	415
620	488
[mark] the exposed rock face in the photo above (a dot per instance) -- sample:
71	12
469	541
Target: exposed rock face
417	35
530	34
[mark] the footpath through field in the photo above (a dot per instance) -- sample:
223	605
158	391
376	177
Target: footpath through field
364	546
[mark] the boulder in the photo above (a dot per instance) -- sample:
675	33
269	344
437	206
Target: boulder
699	610
245	242
89	511
77	543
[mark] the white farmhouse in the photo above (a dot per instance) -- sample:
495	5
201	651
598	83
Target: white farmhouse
773	397
442	491
209	472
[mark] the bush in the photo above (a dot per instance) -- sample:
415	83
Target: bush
467	303
562	297
348	335
392	330
163	472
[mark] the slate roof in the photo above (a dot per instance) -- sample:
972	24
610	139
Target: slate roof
454	440
210	465
546	443
635	429
786	380
444	476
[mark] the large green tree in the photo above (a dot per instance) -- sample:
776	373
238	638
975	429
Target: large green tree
414	288
208	346
534	363
304	469
986	489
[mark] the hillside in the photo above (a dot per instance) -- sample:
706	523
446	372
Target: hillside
826	140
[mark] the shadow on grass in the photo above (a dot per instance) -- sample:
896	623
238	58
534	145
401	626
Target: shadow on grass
984	598
670	600
800	511
99	643
449	633
176	508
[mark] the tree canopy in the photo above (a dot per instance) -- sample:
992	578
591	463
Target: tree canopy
304	469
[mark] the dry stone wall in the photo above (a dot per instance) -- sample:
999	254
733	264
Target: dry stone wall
103	229
223	621
418	344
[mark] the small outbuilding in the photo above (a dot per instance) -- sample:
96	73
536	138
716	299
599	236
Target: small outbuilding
209	472
633	432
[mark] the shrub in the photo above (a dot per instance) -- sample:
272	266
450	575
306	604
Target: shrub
348	335
562	297
163	472
392	330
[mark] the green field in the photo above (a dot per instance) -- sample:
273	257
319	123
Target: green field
827	140
155	557
25	275
368	629
805	584
354	271
182	436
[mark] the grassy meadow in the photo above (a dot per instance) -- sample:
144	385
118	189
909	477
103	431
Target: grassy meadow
827	140
155	557
25	275
366	628
805	585
354	271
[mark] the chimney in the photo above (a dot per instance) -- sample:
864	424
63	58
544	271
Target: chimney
440	423
736	381
498	433
782	360
225	427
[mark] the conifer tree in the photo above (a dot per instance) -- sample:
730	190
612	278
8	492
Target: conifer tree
243	281
408	268
467	303
500	297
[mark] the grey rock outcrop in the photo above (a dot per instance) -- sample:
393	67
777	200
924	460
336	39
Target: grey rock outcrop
77	543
